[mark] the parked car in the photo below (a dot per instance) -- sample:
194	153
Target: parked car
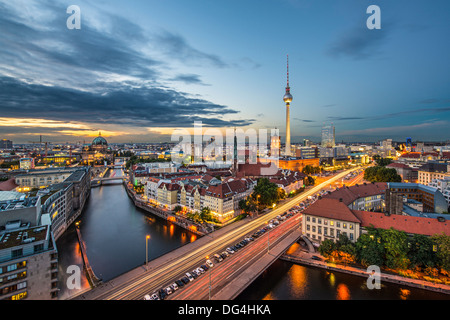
154	296
209	263
204	267
185	280
218	258
162	294
147	297
174	286
189	276
194	274
230	250
169	290
200	270
179	283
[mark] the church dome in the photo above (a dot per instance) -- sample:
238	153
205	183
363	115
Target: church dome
99	141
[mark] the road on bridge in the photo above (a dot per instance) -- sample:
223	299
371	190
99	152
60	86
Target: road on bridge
161	276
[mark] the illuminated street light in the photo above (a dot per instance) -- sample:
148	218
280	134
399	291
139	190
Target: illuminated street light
146	251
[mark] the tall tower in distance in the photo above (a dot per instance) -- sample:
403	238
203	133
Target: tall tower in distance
287	99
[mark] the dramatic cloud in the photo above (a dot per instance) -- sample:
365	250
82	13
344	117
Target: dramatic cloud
359	43
189	79
100	74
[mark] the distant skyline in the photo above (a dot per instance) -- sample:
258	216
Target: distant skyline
138	69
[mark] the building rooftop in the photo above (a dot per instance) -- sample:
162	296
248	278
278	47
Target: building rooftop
19	237
350	194
408	224
18	204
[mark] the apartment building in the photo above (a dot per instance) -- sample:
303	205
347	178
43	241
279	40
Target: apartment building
432	171
28	254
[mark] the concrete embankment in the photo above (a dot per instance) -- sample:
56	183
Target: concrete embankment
302	257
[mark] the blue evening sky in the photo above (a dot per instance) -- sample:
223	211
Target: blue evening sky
138	69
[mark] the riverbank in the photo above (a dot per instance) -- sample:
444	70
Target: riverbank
304	257
179	221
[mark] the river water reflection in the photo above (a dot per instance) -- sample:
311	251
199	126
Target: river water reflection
114	232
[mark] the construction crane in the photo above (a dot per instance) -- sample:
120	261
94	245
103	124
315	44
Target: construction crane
41	142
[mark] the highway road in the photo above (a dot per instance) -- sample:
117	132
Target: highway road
161	277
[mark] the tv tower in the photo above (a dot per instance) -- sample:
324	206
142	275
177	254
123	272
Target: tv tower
287	99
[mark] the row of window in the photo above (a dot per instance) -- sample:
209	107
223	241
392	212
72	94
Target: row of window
328	232
13	267
319	237
331	222
13	288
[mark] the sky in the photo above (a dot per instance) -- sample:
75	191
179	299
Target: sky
137	70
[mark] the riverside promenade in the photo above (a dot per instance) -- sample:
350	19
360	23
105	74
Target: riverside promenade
179	221
302	256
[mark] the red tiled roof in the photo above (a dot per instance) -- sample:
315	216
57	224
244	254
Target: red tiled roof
8	185
227	189
408	224
398	165
331	209
350	194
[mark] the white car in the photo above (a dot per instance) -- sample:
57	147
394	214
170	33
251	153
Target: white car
174	286
147	297
230	250
209	263
169	290
189	276
200	270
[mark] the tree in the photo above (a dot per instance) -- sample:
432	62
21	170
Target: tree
420	252
369	250
396	245
177	209
442	243
327	247
381	174
266	193
205	214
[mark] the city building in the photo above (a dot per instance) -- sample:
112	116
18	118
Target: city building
328	218
26	163
407	173
328	136
28	255
432	171
443	185
97	152
432	199
41	178
28	262
6	144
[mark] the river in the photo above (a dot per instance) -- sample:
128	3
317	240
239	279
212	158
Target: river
114	232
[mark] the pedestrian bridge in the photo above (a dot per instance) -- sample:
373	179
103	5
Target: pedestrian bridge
100	180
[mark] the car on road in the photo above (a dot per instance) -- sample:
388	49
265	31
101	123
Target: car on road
218	258
174	286
204	267
209	263
147	297
179	283
169	290
189	276
230	250
316	258
194	274
154	297
226	253
200	271
185	280
162	294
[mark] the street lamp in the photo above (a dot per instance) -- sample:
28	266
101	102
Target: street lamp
146	251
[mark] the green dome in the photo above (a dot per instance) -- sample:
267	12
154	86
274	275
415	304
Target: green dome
99	141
